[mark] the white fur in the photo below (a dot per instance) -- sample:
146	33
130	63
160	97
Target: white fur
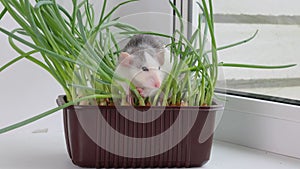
146	79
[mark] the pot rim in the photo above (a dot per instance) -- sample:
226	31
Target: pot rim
215	107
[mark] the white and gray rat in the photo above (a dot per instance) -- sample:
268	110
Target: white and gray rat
145	62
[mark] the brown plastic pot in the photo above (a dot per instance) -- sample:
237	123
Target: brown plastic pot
108	136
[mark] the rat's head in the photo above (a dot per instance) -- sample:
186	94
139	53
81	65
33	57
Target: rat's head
143	68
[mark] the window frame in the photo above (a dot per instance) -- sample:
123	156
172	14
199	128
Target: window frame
258	121
260	124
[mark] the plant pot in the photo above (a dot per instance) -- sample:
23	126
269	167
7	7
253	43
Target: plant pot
109	136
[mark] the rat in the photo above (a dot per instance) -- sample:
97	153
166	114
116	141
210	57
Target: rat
145	62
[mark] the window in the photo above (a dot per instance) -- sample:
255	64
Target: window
276	43
256	114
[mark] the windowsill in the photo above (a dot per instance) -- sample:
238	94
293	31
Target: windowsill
260	124
21	150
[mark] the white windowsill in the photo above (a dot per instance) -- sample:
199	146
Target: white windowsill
263	125
47	150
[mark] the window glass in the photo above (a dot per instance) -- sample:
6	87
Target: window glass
277	43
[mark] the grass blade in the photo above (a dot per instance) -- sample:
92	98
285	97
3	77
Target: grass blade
3	13
49	112
255	66
16	60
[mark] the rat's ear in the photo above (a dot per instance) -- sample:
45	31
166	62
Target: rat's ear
160	55
125	59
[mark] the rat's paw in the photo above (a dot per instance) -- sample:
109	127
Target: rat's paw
141	91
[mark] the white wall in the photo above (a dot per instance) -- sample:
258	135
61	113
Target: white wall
154	15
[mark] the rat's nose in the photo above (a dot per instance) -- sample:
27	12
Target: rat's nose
157	84
155	81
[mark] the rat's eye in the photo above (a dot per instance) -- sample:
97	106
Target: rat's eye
144	68
159	68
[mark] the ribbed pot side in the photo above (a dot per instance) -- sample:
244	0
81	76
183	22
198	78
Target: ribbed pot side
188	152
